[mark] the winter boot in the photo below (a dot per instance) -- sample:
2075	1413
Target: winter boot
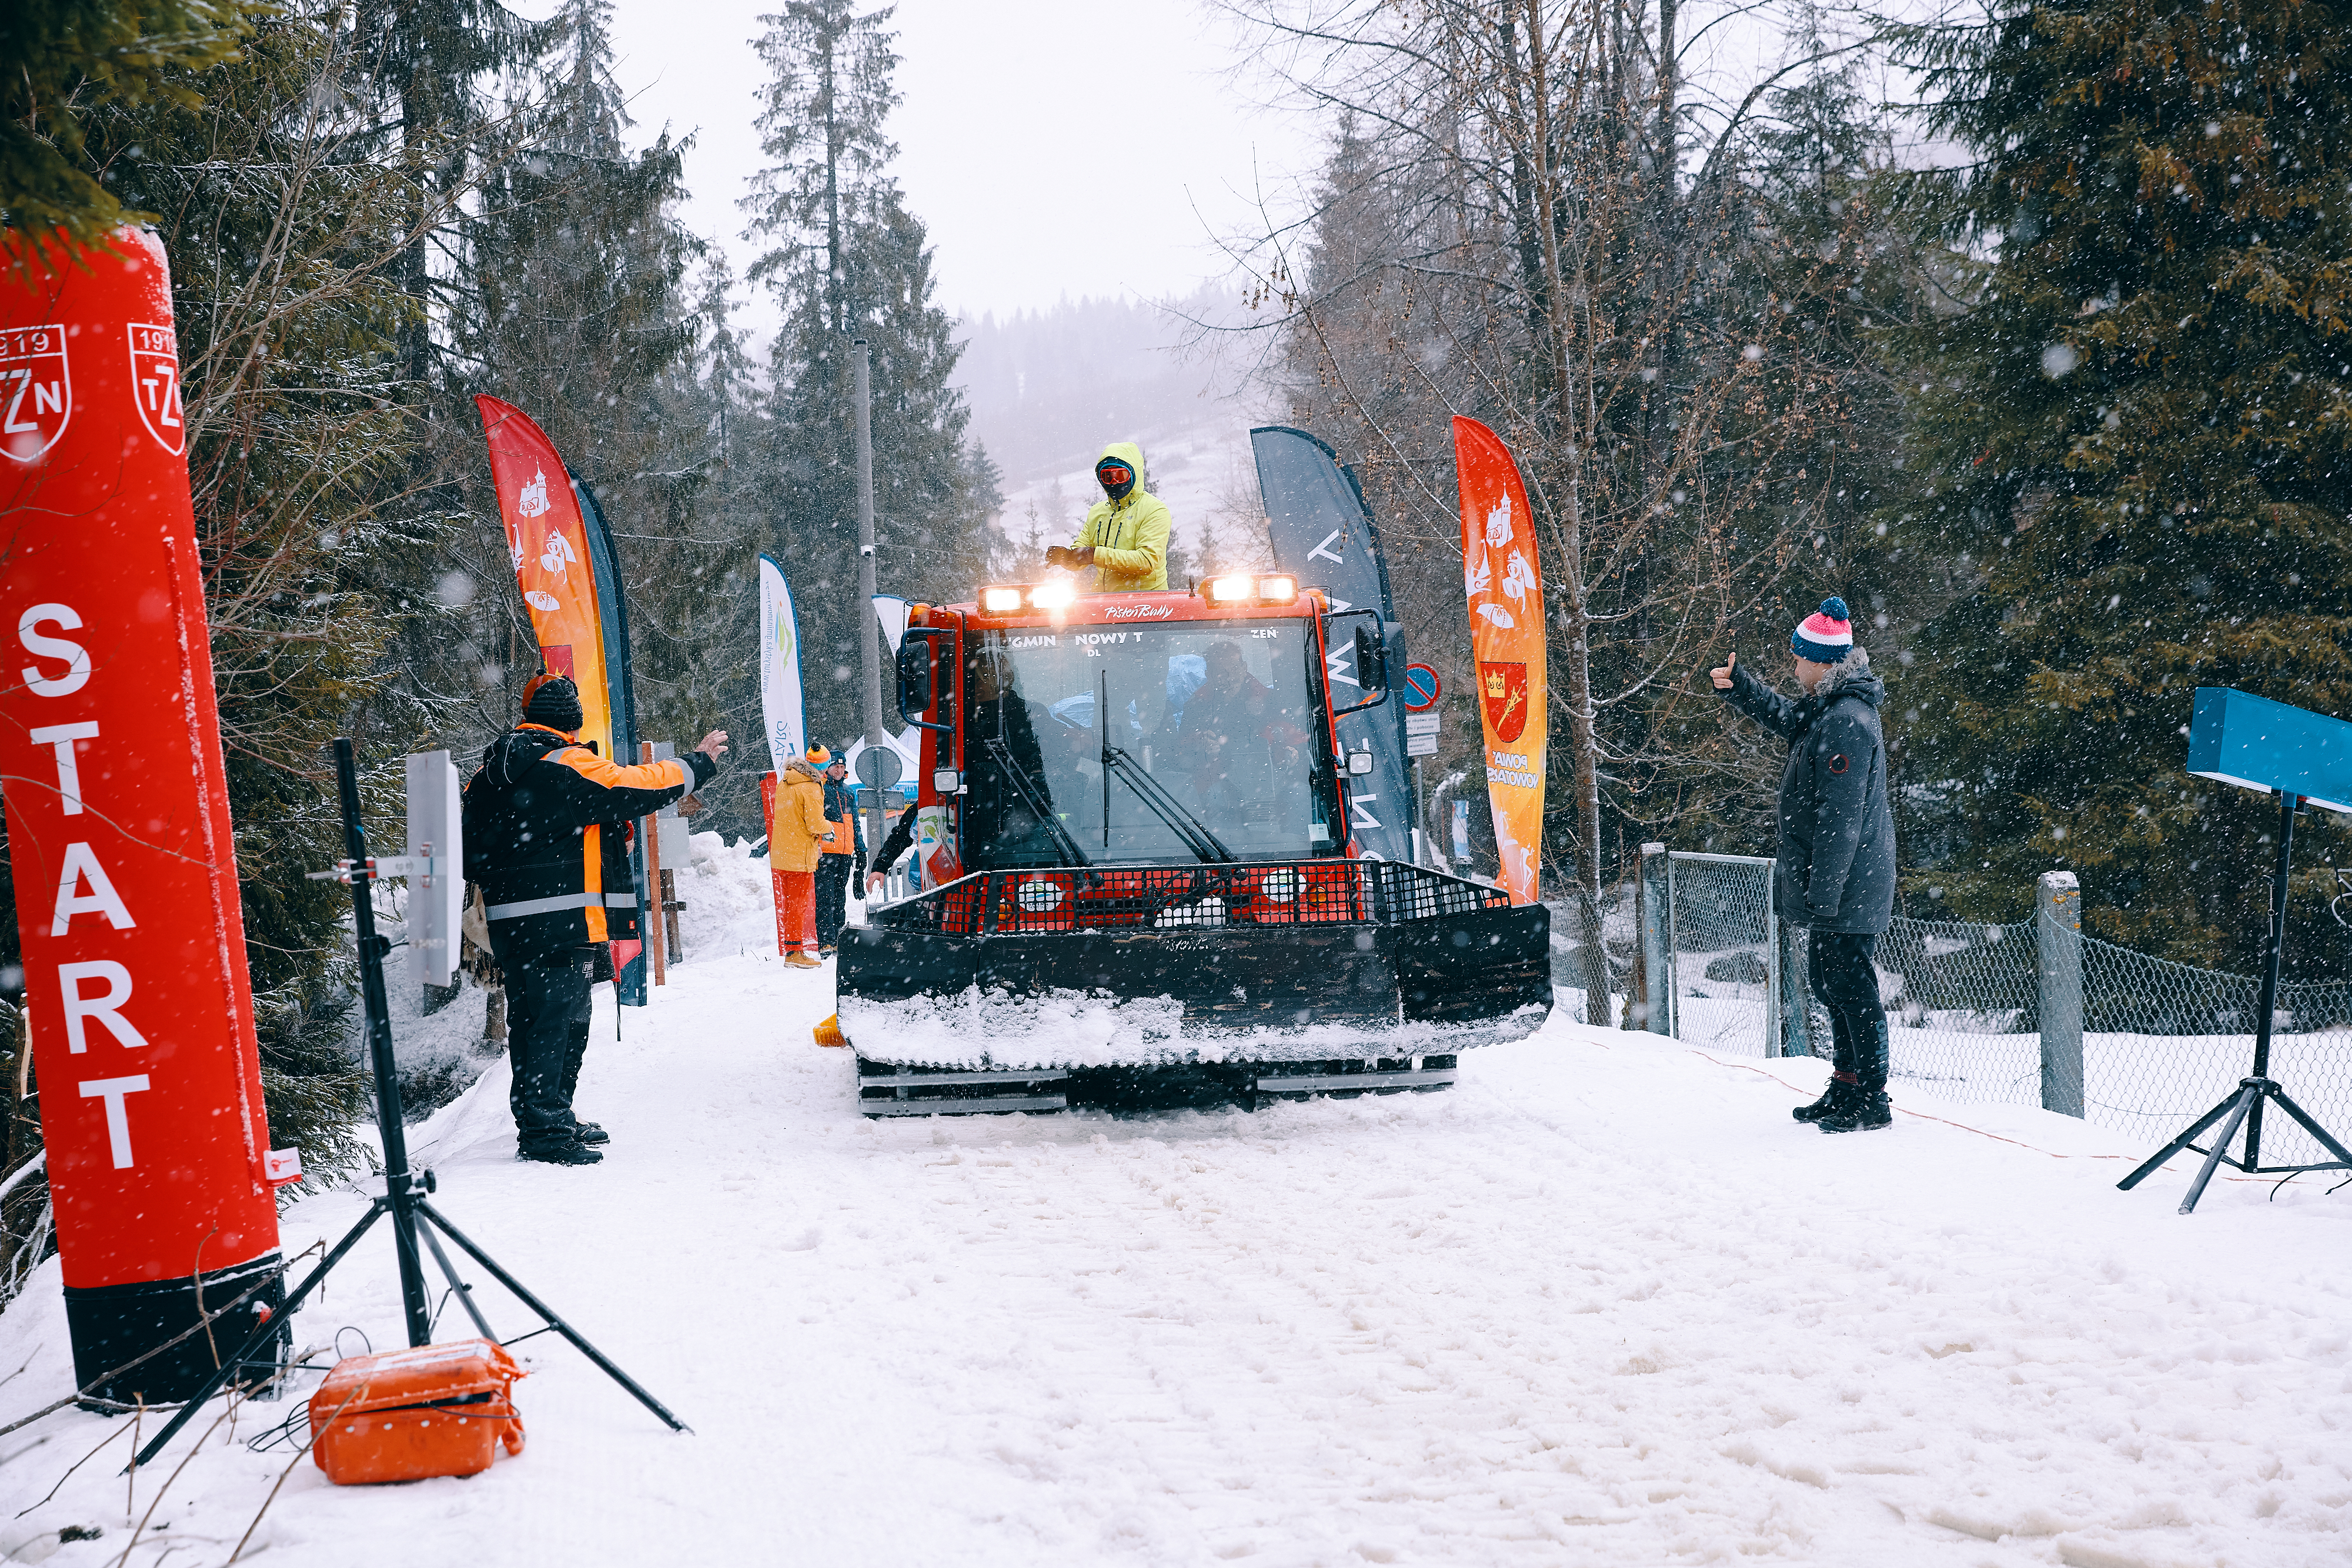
1840	1076
1867	1108
1832	1100
564	1154
589	1132
800	960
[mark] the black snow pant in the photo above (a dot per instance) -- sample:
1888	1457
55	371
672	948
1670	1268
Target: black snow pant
832	896
1847	986
547	1037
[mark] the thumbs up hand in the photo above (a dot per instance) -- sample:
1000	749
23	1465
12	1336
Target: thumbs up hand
1722	673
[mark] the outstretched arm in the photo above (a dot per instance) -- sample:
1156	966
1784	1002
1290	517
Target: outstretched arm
1757	700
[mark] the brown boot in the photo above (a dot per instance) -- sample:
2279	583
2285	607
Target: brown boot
802	961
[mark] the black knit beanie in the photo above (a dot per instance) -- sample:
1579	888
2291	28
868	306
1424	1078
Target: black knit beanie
556	705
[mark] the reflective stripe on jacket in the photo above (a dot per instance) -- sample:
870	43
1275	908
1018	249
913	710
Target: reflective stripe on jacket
546	836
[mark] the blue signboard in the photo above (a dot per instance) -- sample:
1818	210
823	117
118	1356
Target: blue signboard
1421	688
2252	741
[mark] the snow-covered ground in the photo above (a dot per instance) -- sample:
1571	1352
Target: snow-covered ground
1601	1303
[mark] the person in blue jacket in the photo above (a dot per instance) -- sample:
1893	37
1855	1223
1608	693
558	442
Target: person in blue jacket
1836	870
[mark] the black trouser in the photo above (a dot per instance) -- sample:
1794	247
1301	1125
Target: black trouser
547	1036
832	893
1847	984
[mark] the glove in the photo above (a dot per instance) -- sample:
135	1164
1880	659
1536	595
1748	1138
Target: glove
861	865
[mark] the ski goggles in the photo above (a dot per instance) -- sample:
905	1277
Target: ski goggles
1115	474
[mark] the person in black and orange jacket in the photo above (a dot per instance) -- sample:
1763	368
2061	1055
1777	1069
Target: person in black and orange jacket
546	836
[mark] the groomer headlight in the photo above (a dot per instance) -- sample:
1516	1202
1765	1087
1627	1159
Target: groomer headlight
1000	601
1054	595
1279	589
1230	590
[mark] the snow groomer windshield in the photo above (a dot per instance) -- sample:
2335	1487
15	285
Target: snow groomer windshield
1212	752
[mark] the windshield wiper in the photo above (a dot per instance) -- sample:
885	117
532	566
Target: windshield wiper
1064	845
1197	838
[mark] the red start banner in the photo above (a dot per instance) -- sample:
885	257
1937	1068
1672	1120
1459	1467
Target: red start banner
119	835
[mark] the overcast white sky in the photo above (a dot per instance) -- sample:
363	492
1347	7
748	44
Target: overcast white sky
1051	146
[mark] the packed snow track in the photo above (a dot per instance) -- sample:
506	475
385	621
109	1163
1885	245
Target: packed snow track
1602	1302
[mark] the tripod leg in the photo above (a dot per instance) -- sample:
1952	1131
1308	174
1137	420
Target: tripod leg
558	1324
261	1336
2248	1098
2179	1144
2326	1139
465	1292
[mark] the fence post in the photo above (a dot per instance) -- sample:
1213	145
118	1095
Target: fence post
1650	899
1794	992
2058	901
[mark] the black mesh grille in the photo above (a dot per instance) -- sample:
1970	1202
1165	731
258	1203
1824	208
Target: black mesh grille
1092	898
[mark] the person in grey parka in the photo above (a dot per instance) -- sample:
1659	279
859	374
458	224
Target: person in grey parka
1836	870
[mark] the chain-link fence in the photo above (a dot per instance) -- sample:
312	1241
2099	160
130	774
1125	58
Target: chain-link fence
1961	1003
2163	1043
1721	936
2134	1043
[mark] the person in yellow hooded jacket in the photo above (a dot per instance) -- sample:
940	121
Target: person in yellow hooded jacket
1125	536
797	836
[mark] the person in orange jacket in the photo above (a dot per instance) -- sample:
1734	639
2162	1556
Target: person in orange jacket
797	836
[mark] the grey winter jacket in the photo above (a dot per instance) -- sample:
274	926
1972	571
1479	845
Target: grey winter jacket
1836	865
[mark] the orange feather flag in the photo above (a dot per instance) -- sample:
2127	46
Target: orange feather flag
1505	587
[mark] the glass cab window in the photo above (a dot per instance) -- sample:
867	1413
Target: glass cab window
1153	745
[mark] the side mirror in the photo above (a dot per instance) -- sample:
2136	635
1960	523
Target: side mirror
914	678
1367	654
1359	763
946	782
1371	661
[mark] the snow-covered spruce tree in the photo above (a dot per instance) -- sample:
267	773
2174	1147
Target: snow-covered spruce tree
846	259
569	300
2132	446
59	59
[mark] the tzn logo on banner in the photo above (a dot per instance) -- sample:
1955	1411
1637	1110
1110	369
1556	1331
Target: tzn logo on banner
36	391
155	383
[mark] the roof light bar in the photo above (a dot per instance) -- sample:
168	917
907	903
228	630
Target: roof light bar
1230	590
1237	588
1002	600
1055	593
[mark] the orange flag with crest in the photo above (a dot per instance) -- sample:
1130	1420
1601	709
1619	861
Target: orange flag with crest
1505	587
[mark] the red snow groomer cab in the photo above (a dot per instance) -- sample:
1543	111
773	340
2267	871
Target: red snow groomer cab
1140	873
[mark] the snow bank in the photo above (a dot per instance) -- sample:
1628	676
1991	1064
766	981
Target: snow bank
1602	1303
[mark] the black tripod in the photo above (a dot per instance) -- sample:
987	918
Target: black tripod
404	1190
2246	1105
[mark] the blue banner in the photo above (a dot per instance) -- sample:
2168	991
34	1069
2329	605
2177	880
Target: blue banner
1323	531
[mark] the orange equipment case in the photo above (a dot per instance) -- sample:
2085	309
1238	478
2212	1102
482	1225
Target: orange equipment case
436	1410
